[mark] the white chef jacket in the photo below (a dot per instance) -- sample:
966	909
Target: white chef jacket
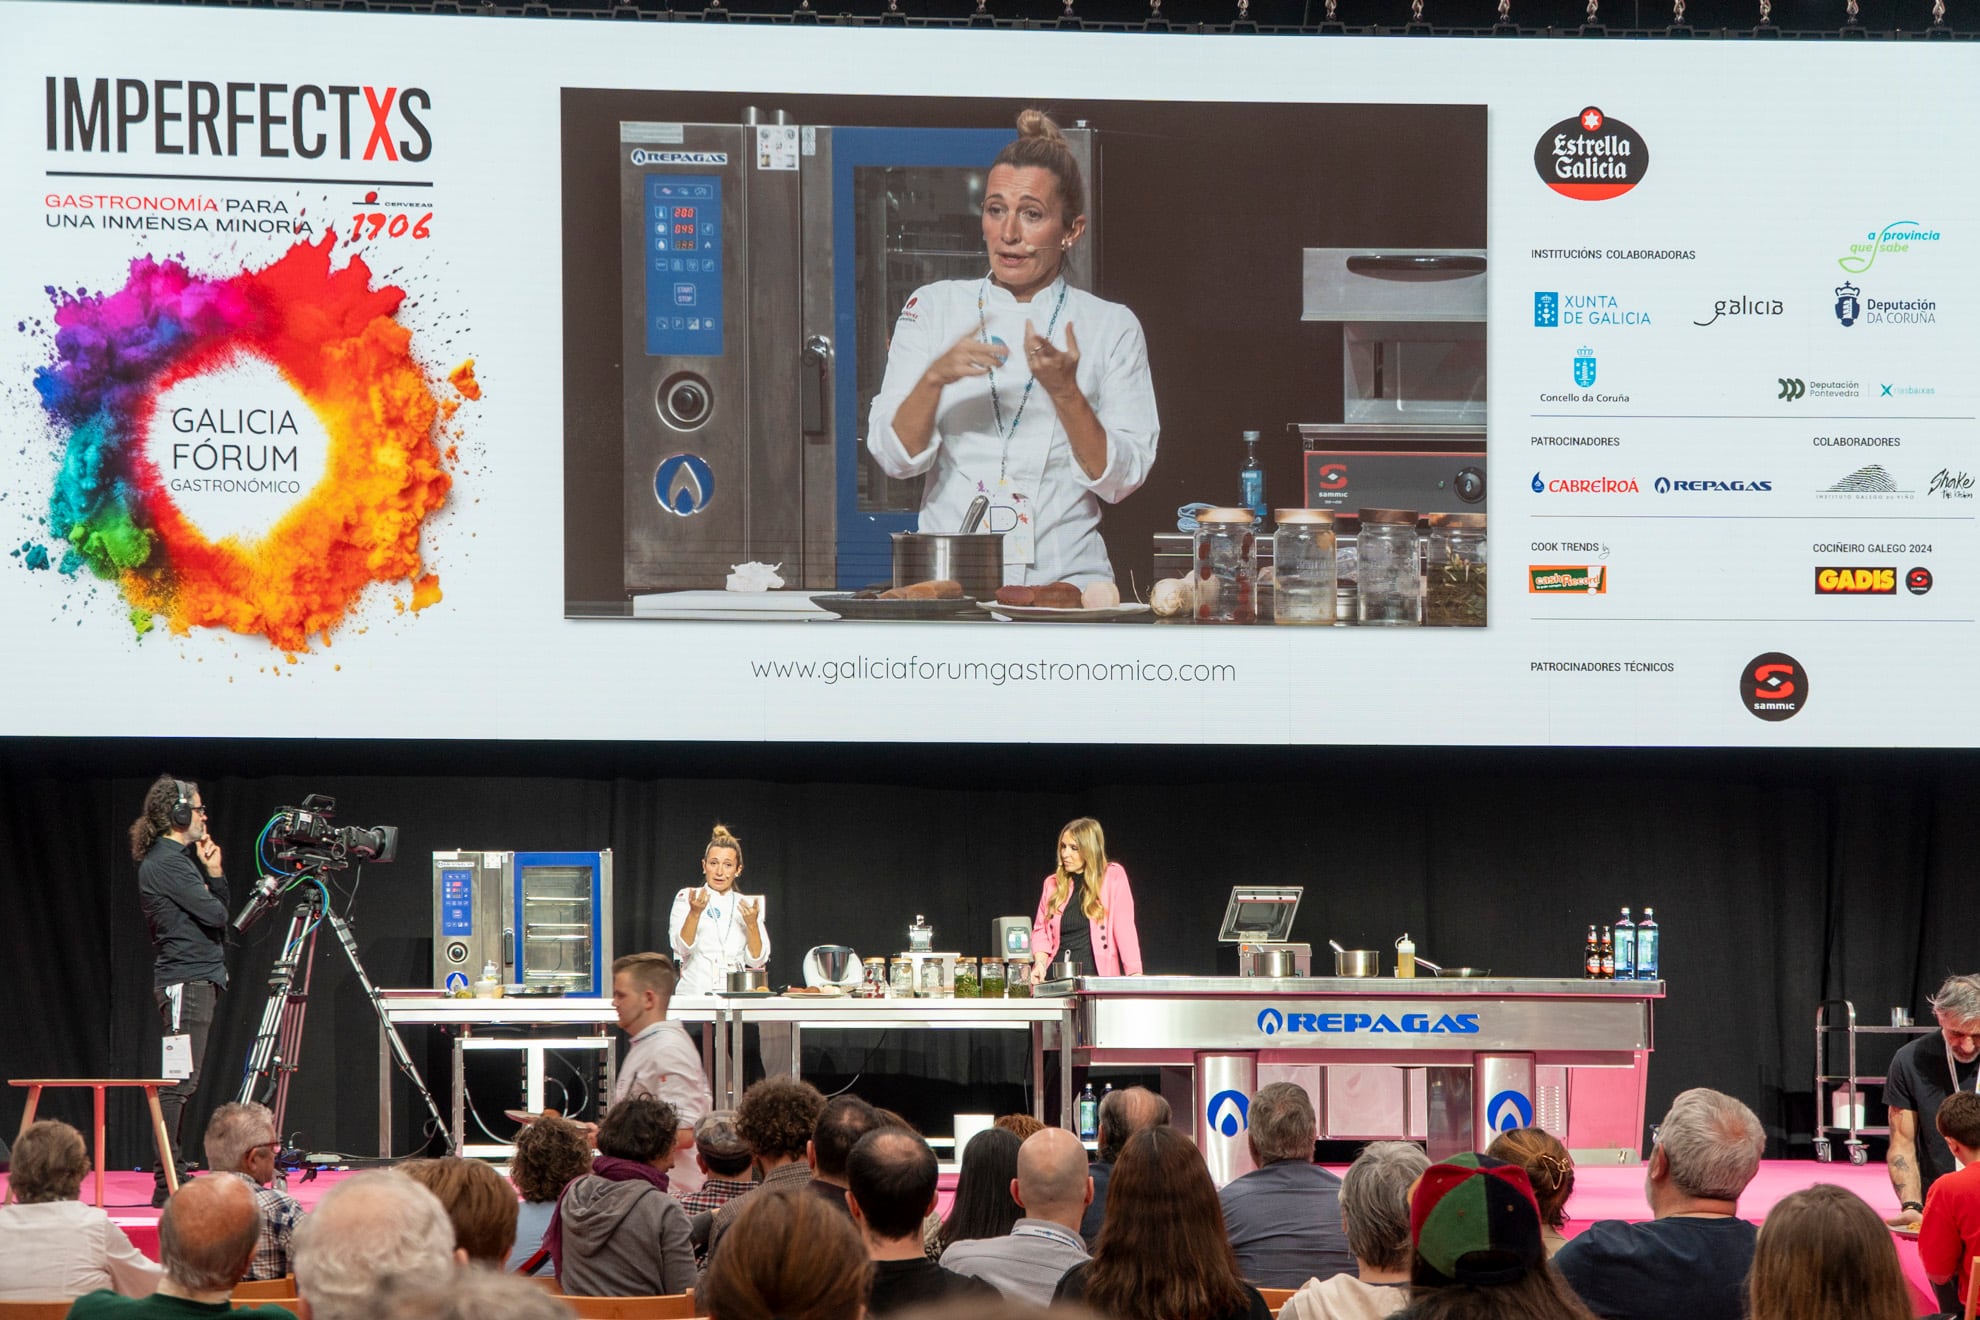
1060	503
663	1064
721	943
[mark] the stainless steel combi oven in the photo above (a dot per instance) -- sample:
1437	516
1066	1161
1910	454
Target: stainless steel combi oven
764	264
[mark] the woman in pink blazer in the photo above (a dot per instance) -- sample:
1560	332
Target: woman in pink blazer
1087	909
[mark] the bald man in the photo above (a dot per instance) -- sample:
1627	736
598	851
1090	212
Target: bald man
205	1238
377	1228
1054	1188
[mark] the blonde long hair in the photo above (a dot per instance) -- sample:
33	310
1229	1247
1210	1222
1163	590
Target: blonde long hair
1092	844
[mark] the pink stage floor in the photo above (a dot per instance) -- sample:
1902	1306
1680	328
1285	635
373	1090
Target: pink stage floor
1600	1193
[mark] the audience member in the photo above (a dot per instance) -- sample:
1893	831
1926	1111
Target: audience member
1476	1229
1823	1254
1549	1168
662	1062
723	1158
1122	1114
891	1178
1950	1232
1921	1076
776	1116
1052	1188
841	1123
469	1295
241	1139
1020	1126
1163	1252
368	1231
792	1257
1375	1217
616	1232
1284	1217
550	1154
206	1237
52	1246
1691	1259
480	1203
983	1206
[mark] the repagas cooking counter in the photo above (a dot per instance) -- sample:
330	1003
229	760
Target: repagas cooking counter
1448	1062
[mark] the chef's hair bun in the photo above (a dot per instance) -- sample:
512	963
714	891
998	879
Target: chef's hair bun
1040	143
721	838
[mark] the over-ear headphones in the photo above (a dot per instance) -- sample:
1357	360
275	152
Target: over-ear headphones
181	814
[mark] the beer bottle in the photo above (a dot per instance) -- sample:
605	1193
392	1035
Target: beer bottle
1608	955
1591	957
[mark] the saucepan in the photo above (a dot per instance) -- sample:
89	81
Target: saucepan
1453	973
1356	962
748	980
975	559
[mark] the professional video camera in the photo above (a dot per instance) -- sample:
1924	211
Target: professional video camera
305	834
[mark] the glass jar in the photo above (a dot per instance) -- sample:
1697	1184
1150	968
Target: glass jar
1303	567
902	982
1454	571
966	982
1017	983
1390	577
991	986
1226	558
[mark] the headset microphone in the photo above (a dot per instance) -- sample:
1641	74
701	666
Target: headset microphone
181	814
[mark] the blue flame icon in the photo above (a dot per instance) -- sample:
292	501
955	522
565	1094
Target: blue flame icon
1508	1110
1271	1021
1229	1112
684	484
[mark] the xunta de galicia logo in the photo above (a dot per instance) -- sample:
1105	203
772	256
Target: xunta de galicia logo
1591	157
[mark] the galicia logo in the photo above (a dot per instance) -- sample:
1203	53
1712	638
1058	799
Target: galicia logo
1584	367
1508	1110
1848	305
1271	1021
684	484
1546	310
1744	307
1592	157
1229	1112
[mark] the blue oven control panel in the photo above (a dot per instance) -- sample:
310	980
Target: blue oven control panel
684	265
457	900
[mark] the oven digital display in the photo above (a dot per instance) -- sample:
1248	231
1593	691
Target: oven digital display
683	265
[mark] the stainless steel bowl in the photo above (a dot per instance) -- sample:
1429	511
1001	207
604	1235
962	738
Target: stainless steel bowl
975	559
1357	962
748	979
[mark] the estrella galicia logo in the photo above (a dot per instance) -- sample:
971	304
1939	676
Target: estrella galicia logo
1592	157
1546	309
1508	1110
1271	1021
1848	305
1229	1112
684	484
1773	686
1584	367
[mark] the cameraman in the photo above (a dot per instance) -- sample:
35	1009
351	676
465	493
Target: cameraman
185	904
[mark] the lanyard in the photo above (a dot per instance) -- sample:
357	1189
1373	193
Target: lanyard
996	403
1952	1068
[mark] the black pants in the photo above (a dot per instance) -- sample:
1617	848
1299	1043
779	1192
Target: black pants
183	1010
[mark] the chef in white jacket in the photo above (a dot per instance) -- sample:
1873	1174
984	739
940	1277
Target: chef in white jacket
1016	385
715	928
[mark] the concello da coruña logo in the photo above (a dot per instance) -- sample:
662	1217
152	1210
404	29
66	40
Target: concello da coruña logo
1591	157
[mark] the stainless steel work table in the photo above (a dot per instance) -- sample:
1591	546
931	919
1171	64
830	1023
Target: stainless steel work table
1446	1061
465	1015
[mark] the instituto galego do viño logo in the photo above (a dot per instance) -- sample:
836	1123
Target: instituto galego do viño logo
1591	157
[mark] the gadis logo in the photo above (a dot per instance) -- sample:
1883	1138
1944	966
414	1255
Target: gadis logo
1592	157
1229	1112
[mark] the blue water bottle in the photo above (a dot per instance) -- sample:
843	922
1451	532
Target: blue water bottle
1089	1114
1646	946
1251	481
1625	948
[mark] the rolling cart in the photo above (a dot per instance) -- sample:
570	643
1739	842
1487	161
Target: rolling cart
1827	1083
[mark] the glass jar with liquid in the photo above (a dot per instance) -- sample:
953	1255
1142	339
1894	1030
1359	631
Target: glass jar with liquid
1391	575
1303	567
1226	566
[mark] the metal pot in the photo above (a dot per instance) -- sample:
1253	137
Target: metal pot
747	979
975	559
1357	962
1281	962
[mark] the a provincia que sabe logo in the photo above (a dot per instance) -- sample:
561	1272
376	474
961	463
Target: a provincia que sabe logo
1584	485
1708	486
1743	306
1855	581
1894	239
1553	308
259	120
1591	158
1851	306
1274	1021
1947	484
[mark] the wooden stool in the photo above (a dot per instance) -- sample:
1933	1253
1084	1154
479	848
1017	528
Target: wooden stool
99	1085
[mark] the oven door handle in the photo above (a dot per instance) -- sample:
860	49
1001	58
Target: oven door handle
813	408
1391	264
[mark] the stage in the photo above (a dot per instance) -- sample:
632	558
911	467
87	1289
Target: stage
1600	1193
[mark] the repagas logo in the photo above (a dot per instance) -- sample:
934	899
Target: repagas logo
1773	686
1591	157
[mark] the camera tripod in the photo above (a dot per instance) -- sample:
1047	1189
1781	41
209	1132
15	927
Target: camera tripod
277	1049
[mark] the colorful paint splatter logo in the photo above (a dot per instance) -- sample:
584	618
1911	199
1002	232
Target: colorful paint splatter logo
331	344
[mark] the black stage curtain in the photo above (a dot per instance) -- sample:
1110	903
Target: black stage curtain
1780	879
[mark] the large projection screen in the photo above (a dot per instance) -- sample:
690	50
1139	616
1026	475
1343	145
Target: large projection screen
327	406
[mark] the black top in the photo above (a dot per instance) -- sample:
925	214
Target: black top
899	1284
187	912
1076	933
1072	1288
1096	1211
1918	1081
1695	1268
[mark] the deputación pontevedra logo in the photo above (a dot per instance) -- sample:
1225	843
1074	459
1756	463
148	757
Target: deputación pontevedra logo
1591	157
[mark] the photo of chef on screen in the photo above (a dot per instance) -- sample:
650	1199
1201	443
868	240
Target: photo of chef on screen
1016	386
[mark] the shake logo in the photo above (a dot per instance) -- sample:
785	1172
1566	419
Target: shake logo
1272	1022
1585	485
1856	581
1896	237
1744	307
268	121
1950	485
1591	158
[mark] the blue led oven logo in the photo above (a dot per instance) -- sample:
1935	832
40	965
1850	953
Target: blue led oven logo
1508	1110
1229	1112
684	484
1272	1022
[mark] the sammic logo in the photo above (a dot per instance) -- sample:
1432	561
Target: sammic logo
1333	476
1272	1022
1229	1112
